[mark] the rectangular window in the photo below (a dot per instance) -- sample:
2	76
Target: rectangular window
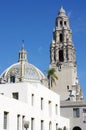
50	125
56	126
32	123
50	107
5	120
84	115
32	99
18	122
41	103
84	110
42	125
23	122
56	109
76	112
15	95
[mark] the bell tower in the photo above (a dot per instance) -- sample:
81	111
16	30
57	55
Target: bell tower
63	59
62	49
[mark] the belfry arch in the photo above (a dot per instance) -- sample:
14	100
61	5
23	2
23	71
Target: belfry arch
61	56
61	37
76	128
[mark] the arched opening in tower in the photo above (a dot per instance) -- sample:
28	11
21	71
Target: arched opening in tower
61	37
61	57
76	128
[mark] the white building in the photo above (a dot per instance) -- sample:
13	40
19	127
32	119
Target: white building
23	96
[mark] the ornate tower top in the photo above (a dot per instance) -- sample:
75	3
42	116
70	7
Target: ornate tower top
22	53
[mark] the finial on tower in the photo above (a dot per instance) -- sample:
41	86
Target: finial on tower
62	12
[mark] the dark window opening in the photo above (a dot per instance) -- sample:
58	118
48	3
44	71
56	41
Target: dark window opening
12	79
32	123
41	103
61	37
76	112
67	87
76	128
61	57
65	23
5	125
60	23
15	95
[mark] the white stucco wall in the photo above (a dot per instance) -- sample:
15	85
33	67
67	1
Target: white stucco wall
14	108
24	107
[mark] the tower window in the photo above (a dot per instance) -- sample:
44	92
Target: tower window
68	87
65	23
61	57
61	37
60	23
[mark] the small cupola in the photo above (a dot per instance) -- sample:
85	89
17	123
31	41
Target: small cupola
22	53
62	12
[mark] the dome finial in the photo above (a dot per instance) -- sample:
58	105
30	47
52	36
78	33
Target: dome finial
22	45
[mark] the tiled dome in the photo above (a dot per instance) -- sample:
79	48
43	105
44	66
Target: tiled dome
22	71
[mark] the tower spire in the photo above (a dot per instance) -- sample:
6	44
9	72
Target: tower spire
22	44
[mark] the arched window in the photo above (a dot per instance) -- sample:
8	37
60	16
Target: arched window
50	125
61	56
61	37
60	23
65	23
76	128
12	79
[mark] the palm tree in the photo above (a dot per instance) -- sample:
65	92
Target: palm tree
51	75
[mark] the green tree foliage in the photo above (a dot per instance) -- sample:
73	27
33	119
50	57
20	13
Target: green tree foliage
59	129
51	75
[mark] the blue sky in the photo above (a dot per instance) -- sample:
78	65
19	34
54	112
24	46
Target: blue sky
33	21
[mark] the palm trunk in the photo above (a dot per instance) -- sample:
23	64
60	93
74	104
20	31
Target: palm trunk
49	84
